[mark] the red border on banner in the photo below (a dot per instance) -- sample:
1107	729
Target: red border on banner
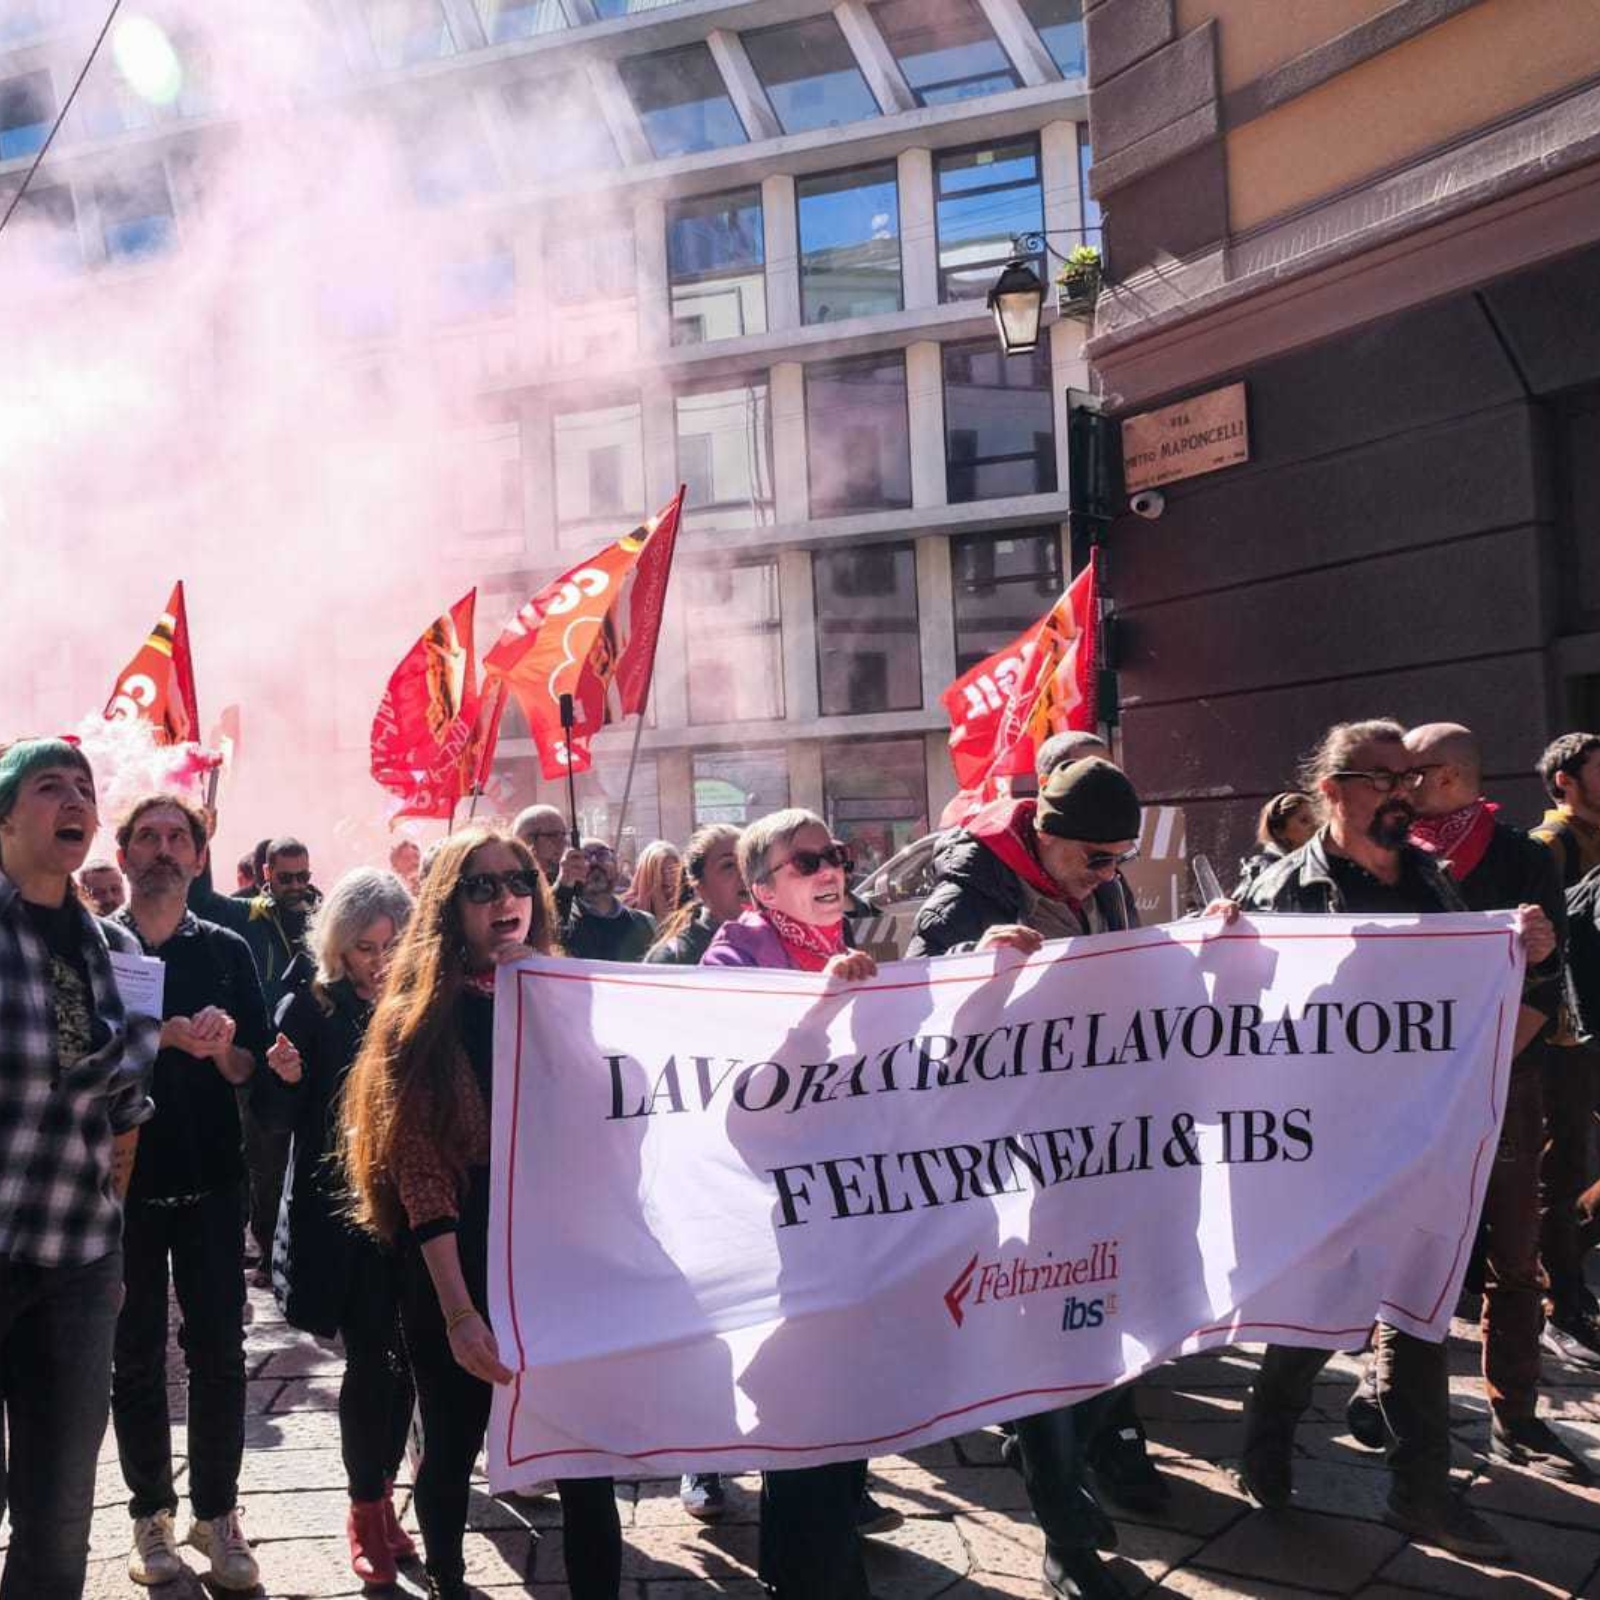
1232	1330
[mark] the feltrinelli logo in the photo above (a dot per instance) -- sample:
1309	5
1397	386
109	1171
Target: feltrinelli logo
1009	1278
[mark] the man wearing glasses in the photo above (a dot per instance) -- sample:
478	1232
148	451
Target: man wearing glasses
1021	872
1361	861
599	927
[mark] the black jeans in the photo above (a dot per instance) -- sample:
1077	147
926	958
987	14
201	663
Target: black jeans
266	1154
56	1328
206	1251
1413	1389
376	1394
810	1549
455	1416
1053	1448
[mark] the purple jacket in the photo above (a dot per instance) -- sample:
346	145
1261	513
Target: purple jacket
749	940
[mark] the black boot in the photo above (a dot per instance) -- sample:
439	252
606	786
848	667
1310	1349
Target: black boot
1080	1574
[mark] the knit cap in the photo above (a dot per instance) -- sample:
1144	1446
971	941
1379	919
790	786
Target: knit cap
1089	800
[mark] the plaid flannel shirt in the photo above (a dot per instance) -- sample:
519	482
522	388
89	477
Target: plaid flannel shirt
57	1204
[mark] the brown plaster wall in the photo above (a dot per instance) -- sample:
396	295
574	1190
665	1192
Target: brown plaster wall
1258	35
1466	73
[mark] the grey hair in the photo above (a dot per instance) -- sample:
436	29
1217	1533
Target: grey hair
762	834
356	901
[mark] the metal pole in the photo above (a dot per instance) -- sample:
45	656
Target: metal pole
567	723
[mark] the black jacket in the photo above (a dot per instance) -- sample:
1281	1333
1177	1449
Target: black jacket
1303	882
624	937
1517	870
975	890
686	949
320	1242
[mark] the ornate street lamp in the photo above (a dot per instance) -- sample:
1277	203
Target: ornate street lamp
1017	304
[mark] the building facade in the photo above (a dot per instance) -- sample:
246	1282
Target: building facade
741	246
1382	217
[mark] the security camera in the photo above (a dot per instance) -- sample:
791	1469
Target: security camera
1148	503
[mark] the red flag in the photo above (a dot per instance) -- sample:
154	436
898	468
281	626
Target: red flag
424	737
591	634
1040	684
158	684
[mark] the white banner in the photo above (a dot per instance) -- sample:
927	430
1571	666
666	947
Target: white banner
741	1219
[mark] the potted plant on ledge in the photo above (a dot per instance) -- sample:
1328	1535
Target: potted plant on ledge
1078	281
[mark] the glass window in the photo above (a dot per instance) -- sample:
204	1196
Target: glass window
520	19
600	467
472	288
628	8
849	243
488	486
589	274
1060	26
999	422
809	74
1004	582
725	455
985	198
682	101
734	626
875	795
858	436
715	260
46	225
1091	206
599	795
740	785
136	214
867	640
27	108
557	126
945	48
445	152
405	32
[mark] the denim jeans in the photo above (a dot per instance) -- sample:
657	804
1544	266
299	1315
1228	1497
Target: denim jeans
203	1243
56	1327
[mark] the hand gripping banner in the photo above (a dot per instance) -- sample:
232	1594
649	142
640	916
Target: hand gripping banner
748	1219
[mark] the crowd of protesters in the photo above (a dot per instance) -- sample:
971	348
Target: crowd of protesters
313	1107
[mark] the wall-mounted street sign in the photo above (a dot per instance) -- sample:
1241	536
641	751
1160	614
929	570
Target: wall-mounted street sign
1201	434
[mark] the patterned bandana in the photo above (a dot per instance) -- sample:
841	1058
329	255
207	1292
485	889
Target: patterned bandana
1459	838
480	982
807	946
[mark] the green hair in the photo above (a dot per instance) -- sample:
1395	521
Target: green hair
24	757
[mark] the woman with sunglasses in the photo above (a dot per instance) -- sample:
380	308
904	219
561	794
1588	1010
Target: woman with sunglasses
796	873
330	1278
417	1154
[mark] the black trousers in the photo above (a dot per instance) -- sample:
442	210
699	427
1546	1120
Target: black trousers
206	1252
376	1395
266	1154
55	1384
1053	1448
810	1549
455	1416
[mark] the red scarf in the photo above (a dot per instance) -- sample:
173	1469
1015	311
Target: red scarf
1460	838
807	946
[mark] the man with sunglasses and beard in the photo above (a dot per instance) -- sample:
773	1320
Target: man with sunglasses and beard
599	927
1018	873
1361	861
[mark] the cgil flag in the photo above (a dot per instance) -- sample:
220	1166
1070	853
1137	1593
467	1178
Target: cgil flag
425	742
591	634
1040	684
157	686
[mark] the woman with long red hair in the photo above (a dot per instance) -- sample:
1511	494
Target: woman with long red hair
419	1103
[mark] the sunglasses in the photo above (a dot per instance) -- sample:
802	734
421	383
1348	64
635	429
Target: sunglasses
808	863
290	879
483	888
1099	860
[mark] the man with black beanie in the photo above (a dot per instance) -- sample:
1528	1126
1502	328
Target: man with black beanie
1021	872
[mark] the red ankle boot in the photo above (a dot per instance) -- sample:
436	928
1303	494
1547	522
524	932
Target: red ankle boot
370	1555
401	1546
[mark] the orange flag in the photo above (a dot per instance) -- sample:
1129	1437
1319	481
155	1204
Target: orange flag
424	736
591	634
158	684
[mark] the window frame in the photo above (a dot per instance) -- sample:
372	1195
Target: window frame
890	167
920	93
831	552
817	20
811	367
701	50
1047	534
769	630
1040	358
1037	259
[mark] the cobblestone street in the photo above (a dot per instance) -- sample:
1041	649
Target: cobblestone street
967	1534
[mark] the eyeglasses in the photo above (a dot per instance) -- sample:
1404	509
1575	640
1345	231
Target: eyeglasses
1385	781
808	863
1099	860
482	888
290	879
548	833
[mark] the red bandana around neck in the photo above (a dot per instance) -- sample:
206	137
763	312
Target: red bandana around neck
1460	838
808	947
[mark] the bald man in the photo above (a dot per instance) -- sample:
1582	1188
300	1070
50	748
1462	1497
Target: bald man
1497	867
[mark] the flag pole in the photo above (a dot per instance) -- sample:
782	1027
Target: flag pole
568	720
649	682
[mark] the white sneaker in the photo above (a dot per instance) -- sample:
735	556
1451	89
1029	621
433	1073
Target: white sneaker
154	1557
233	1566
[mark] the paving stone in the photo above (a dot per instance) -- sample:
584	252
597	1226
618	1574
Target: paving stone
1001	1544
919	1558
307	1394
264	1470
504	1557
1523	1494
303	1361
658	1506
1145	1555
291	1430
1198	1585
917	1492
1283	1547
1204	1498
1158	1406
313	1513
1545	1560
